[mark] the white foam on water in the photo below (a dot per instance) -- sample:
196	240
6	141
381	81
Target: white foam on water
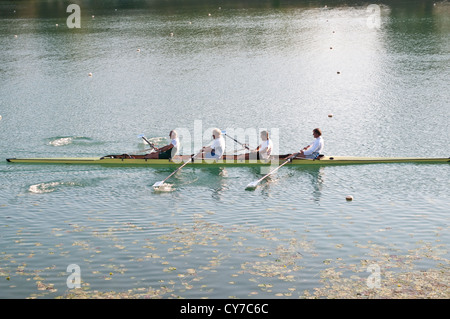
164	188
49	187
67	140
43	187
61	141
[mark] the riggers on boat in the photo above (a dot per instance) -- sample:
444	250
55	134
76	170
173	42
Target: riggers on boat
228	160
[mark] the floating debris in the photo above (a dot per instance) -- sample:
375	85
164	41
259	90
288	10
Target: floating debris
399	279
189	256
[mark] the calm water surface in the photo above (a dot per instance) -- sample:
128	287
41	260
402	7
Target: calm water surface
249	66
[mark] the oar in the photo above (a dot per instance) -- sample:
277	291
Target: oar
244	145
159	184
253	185
148	142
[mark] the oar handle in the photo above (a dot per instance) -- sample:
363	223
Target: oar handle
244	145
148	142
290	158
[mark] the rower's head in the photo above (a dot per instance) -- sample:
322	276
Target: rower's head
216	133
317	132
173	134
264	135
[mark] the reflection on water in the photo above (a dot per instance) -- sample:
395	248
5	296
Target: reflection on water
310	179
316	178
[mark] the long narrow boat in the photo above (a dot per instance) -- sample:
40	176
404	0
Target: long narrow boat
129	160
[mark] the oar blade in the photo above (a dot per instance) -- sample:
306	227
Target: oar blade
252	185
158	184
164	187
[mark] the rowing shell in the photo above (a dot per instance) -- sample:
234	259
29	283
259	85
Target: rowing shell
129	160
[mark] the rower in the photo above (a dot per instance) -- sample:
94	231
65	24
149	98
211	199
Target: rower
168	151
263	151
216	149
313	150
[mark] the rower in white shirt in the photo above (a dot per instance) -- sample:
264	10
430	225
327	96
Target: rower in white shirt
263	151
313	150
168	151
217	148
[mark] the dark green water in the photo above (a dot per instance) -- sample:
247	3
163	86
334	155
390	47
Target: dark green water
250	66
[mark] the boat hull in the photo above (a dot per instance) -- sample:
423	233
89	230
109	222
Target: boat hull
127	161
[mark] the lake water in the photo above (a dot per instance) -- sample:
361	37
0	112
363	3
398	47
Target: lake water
381	72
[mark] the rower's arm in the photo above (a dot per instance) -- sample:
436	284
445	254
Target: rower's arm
166	148
257	149
312	148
